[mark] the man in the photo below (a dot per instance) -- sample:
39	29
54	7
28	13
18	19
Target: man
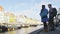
52	14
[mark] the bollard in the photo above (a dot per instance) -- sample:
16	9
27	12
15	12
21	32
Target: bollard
13	29
8	29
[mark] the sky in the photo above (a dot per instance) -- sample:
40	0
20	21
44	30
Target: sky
29	8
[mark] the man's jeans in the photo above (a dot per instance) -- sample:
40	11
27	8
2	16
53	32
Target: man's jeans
51	23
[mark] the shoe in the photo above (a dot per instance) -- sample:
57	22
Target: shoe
52	30
46	30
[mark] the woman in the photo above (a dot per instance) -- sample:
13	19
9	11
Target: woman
44	17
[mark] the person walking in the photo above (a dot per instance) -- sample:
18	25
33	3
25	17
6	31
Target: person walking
44	17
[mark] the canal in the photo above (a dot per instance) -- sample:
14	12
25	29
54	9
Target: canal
23	30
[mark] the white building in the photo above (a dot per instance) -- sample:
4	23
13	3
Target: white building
1	14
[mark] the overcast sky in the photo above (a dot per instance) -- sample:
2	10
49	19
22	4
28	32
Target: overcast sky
30	8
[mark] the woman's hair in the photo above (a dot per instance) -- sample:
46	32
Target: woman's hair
43	6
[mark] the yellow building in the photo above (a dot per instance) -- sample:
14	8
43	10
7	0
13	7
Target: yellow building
12	18
9	17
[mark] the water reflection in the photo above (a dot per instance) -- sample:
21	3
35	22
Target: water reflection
23	30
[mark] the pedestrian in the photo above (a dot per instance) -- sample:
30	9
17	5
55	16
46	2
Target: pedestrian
52	14
44	17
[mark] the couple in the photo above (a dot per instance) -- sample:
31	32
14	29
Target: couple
44	18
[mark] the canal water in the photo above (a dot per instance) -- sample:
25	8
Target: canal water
23	30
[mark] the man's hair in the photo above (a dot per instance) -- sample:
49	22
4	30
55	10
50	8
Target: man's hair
49	4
